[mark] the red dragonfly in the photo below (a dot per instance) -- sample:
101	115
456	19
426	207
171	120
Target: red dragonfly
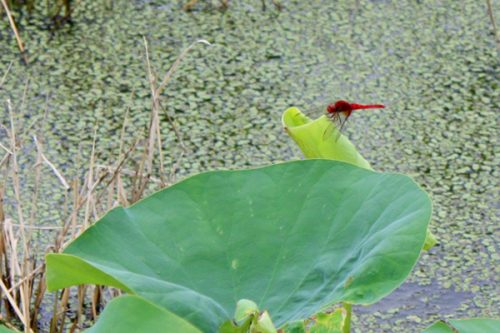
340	111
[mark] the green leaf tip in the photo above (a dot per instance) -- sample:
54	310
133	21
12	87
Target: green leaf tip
248	319
264	324
65	270
244	309
308	134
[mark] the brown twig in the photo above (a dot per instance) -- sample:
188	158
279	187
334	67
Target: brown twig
154	125
5	74
52	166
118	168
13	303
14	29
177	62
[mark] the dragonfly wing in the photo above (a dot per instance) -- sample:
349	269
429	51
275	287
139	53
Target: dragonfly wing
343	120
328	133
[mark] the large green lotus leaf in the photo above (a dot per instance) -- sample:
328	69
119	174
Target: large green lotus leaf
476	325
294	237
308	134
132	314
4	329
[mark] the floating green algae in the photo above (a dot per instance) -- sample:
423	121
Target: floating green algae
433	64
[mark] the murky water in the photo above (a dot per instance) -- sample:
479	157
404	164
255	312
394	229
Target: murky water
433	63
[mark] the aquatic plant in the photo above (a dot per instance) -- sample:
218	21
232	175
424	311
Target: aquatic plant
293	237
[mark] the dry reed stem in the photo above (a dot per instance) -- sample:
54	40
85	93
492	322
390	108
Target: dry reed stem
81	199
63	309
27	277
73	217
81	299
53	321
4	258
154	136
14	29
110	191
175	128
30	278
118	168
121	194
13	303
96	300
2	216
168	77
22	269
160	151
177	62
59	176
5	74
126	172
152	132
5	148
40	292
154	129
15	172
4	160
34	199
26	288
11	243
90	180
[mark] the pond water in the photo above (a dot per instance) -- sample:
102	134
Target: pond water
434	64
